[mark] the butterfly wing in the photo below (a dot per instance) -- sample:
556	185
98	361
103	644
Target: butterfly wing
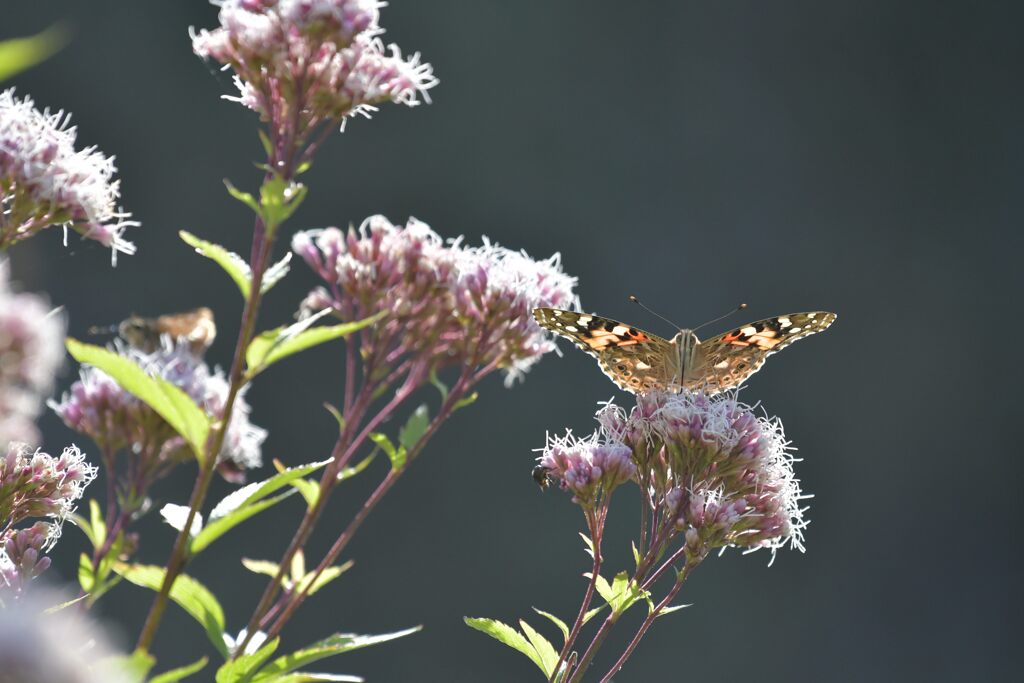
635	360
729	359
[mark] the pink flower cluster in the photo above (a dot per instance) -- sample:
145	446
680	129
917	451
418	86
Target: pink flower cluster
36	484
31	352
99	408
21	558
446	303
720	473
588	468
323	54
45	181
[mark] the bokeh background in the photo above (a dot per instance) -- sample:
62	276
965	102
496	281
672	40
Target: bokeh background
863	157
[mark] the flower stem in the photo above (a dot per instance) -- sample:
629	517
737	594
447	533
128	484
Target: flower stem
596	533
261	249
649	620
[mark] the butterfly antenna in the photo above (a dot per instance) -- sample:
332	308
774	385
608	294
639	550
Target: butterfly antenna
659	315
721	317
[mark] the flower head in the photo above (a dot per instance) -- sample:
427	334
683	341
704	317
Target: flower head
321	57
98	407
723	473
31	352
45	181
445	303
22	559
36	484
589	468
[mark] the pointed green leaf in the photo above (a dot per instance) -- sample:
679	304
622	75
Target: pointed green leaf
326	576
588	543
397	456
336	414
636	554
556	621
233	264
465	401
545	650
504	633
167	400
188	593
308	489
86	578
348	472
410	434
247	501
19	54
243	197
672	608
278	201
275	273
243	667
328	647
265	567
621	594
181	672
273	345
591	613
217	528
442	388
65	604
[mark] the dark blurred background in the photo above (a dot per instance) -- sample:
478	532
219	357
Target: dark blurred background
861	157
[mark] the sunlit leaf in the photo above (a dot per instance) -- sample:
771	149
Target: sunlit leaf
545	650
244	666
167	400
411	433
19	54
328	647
504	633
556	621
188	593
233	264
273	345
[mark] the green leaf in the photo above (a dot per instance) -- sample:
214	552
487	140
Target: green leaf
64	605
19	54
410	434
441	386
278	201
672	608
167	400
279	343
245	666
353	470
134	667
308	489
591	613
504	633
275	273
243	197
556	621
86	577
326	576
397	456
218	528
188	593
545	650
265	567
636	554
621	594
242	504
328	647
588	543
465	401
268	147
181	672
233	264
336	414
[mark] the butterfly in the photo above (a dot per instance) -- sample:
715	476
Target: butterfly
196	327
640	362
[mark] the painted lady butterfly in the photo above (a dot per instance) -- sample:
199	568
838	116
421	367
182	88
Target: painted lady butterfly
639	361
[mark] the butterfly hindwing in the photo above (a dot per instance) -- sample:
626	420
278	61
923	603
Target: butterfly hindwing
635	360
730	358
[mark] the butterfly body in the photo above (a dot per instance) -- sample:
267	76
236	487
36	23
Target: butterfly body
640	362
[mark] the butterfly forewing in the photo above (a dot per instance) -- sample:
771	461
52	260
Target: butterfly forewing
195	327
635	360
730	358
